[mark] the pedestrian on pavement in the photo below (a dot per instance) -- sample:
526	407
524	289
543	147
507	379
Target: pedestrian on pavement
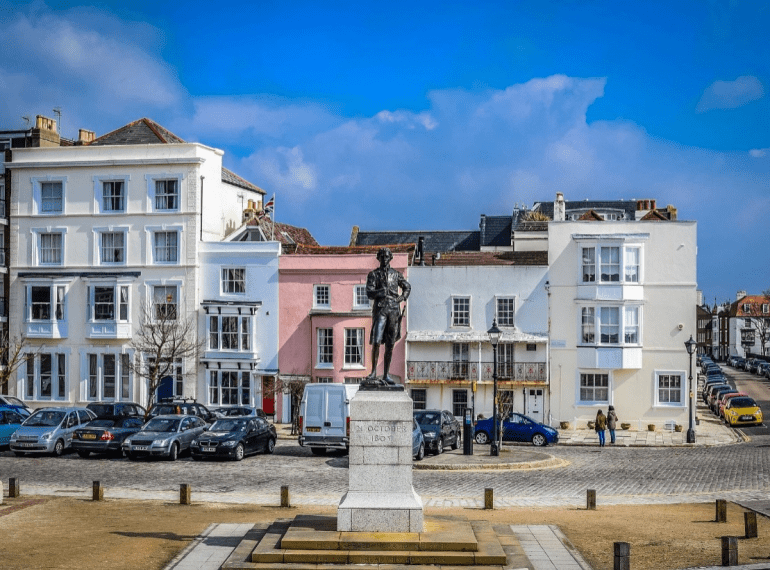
612	421
600	426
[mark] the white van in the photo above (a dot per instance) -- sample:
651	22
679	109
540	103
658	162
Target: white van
324	416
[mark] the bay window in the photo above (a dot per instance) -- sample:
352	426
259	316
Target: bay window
108	302
617	264
230	387
45	303
617	325
45	377
229	332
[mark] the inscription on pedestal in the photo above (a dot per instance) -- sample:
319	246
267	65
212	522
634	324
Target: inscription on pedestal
380	433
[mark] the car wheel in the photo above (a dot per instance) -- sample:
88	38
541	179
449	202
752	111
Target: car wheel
84	454
538	440
439	446
58	448
456	443
239	452
174	453
482	437
420	452
270	447
318	450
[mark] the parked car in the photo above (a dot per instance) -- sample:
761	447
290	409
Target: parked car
418	441
324	417
716	396
742	411
517	427
183	407
234	438
11	419
439	429
117	409
164	436
233	411
751	364
762	369
105	435
726	398
736	361
710	389
49	430
12	401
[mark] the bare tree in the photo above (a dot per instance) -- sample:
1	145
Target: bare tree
294	386
162	340
760	319
13	353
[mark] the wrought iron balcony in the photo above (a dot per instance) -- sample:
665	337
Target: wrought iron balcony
441	370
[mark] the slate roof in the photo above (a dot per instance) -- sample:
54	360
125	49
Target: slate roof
489	258
147	131
434	240
354	250
627	206
495	231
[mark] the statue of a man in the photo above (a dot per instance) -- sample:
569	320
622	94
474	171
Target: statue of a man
382	286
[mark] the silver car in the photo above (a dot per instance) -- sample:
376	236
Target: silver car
49	430
164	436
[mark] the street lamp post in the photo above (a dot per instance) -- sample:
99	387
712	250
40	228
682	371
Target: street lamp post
494	337
690	345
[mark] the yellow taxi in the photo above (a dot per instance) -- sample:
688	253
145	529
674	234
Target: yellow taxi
742	411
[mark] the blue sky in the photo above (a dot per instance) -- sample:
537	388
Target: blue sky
424	115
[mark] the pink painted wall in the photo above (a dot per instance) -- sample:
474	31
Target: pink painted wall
297	345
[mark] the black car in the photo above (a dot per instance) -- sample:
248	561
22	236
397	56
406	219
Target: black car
117	409
105	435
231	411
439	428
234	438
170	407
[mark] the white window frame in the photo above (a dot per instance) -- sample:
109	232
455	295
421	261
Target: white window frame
244	395
324	350
593	313
154	234
455	313
23	378
627	265
57	313
243	337
324	380
99	182
355	341
99	233
419	403
122	372
359	294
151	195
683	389
37	236
501	322
177	302
37	195
593	373
588	260
178	374
458	401
317	292
609	263
228	281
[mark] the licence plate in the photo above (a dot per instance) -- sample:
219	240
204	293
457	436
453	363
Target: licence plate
314	429
141	448
747	418
208	449
26	445
88	436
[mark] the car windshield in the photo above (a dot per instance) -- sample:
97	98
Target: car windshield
164	410
101	423
44	419
228	425
162	424
742	403
428	418
13	401
102	409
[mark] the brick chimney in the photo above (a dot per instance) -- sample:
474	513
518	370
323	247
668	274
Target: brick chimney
44	133
559	208
85	136
740	295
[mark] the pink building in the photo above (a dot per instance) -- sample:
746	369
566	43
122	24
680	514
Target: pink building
325	316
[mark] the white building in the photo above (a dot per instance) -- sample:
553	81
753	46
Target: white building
97	229
622	298
453	303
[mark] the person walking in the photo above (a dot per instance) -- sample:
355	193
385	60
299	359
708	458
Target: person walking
612	421
600	426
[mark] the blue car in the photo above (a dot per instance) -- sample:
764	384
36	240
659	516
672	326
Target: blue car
517	427
418	441
10	420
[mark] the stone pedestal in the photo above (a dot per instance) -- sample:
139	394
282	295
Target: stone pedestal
380	495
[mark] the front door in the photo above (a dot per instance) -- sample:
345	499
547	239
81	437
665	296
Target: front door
268	395
165	388
535	404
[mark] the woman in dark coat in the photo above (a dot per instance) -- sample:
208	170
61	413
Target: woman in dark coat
612	421
601	425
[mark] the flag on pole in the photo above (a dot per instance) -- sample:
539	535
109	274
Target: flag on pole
269	208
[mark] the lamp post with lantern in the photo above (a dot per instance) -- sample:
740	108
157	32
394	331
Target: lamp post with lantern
690	345
494	337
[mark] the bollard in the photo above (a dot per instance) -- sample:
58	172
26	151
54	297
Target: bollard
721	510
13	488
489	498
185	492
285	497
729	551
98	491
591	499
750	524
622	556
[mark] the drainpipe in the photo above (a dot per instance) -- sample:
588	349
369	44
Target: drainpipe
202	179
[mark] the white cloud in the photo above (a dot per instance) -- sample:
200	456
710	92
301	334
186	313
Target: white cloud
730	94
759	152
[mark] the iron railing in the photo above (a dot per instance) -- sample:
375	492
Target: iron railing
441	370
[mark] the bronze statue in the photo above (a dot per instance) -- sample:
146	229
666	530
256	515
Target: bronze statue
382	285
